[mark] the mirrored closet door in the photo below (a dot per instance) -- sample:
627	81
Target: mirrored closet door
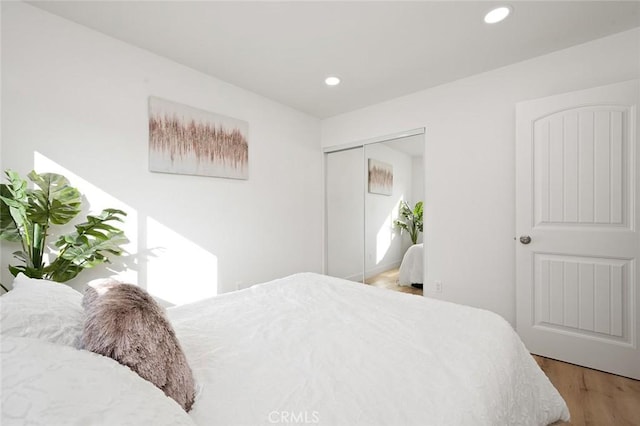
345	213
366	186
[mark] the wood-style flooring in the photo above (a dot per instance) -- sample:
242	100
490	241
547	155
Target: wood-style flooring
389	280
594	398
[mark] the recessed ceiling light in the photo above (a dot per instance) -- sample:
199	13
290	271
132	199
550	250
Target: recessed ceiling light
496	15
332	81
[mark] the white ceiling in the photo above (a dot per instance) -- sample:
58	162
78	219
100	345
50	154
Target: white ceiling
380	50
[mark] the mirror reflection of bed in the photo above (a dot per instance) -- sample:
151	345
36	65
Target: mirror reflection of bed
364	243
411	271
408	278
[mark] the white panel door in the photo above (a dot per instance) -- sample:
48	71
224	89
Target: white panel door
577	218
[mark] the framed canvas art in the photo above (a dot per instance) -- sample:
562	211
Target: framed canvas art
191	141
380	177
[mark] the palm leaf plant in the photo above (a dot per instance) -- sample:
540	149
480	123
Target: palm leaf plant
27	214
411	220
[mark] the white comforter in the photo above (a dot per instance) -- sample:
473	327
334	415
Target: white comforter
319	350
54	385
412	266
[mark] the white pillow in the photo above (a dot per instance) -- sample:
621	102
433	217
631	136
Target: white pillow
47	384
42	309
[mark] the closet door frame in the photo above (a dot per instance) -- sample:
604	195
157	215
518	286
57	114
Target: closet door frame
348	146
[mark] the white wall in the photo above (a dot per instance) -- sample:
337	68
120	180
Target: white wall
74	100
469	159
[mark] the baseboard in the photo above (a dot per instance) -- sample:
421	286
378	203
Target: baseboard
378	269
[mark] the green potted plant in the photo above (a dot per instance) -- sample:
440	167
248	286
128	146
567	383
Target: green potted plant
26	216
411	220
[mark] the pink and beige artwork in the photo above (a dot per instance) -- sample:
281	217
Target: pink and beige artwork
380	177
190	141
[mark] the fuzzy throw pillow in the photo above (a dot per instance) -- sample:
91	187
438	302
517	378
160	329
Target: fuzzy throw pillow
123	322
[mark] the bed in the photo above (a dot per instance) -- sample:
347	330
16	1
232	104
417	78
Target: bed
304	349
412	266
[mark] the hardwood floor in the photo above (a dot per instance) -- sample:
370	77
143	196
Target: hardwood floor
593	397
389	280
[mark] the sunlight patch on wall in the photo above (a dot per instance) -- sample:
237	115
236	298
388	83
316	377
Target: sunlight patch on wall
387	233
178	270
383	239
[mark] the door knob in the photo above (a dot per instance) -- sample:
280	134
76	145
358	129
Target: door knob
525	239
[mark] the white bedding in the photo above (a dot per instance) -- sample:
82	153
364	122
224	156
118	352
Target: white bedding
306	349
321	350
51	384
412	266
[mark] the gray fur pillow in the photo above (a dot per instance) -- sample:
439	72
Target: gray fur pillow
123	322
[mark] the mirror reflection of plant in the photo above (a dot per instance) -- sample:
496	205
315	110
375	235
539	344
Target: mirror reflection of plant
27	214
411	221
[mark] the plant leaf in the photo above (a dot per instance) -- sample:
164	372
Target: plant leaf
88	246
28	271
20	255
61	272
8	229
15	201
15	270
55	201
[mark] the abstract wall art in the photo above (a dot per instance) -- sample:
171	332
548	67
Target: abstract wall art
186	140
380	177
